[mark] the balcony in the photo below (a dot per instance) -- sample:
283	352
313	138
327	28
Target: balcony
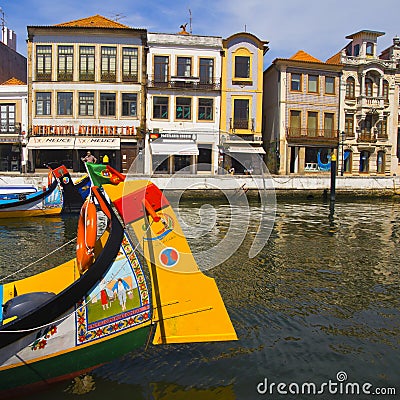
43	77
366	137
86	76
65	76
182	82
303	136
370	103
130	78
108	77
241	124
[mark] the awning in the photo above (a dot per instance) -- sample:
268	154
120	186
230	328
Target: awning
246	149
177	149
97	143
51	142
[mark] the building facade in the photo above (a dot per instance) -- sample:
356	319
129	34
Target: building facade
86	92
13	125
301	114
241	102
369	106
183	103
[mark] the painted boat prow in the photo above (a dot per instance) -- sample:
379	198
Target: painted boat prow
188	305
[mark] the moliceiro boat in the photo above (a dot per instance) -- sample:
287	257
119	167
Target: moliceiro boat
105	303
60	195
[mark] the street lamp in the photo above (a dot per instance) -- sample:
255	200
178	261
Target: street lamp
342	139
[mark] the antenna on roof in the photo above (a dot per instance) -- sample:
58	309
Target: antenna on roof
190	21
2	18
117	16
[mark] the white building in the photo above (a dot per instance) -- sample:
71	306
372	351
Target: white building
13	125
183	103
368	107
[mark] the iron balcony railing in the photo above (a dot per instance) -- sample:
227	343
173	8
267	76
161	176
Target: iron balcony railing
65	76
44	77
180	82
311	135
240	123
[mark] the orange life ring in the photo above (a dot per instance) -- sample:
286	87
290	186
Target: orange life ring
86	238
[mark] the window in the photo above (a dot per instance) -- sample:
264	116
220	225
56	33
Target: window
241	114
380	162
242	67
206	70
7	118
161	68
385	90
312	123
64	103
86	103
295	123
368	87
160	107
107	104
366	124
43	103
356	51
313	84
329	125
205	109
329	85
295	82
65	63
350	88
183	108
130	64
184	66
369	49
86	63
129	104
108	64
43	63
364	161
204	159
349	125
382	128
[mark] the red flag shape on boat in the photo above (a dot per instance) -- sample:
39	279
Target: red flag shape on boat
115	176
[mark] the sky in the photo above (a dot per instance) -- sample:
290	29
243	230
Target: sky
318	27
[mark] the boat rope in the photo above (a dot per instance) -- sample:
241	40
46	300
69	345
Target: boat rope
36	261
84	304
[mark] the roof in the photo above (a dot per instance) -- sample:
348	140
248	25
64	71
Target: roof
95	21
13	81
335	59
303	56
365	32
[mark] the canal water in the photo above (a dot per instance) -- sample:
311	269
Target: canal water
319	304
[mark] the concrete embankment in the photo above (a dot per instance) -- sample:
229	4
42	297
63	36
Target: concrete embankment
210	185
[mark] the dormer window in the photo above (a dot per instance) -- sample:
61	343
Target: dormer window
369	51
356	51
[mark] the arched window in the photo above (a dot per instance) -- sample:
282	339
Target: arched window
364	161
350	88
380	162
368	87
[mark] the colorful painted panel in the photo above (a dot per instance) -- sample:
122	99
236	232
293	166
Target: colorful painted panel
119	302
54	200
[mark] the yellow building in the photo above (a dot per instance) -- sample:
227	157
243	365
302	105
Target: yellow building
241	102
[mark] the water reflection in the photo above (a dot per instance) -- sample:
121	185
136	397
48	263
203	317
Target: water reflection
322	296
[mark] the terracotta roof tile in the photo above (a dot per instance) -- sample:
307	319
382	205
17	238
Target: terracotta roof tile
335	59
13	81
95	21
303	56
